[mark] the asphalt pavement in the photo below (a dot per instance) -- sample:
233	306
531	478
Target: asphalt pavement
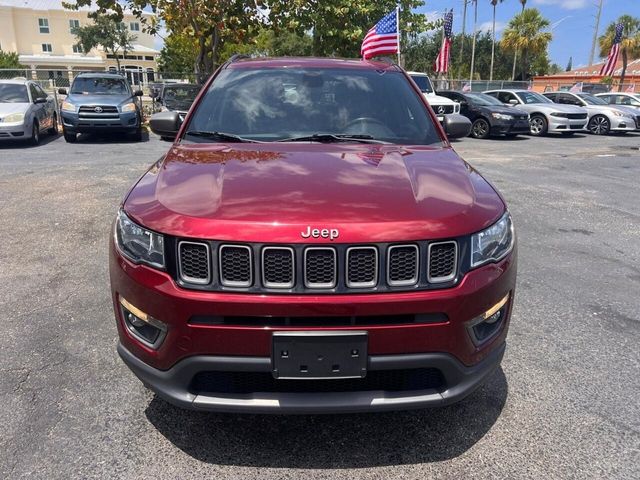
564	405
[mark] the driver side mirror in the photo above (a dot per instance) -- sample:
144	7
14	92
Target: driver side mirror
40	100
456	126
62	91
165	124
513	101
138	93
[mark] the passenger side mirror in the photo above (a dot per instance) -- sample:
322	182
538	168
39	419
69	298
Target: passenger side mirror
62	91
138	93
165	124
513	101
40	100
456	126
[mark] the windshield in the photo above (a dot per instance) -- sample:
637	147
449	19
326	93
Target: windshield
271	104
99	86
180	96
483	99
424	84
591	100
533	97
13	93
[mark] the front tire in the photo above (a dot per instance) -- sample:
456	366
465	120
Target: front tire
35	134
538	125
599	125
70	137
137	135
480	128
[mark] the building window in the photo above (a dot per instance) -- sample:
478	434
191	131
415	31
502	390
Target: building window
43	23
46	47
149	58
134	26
73	24
78	49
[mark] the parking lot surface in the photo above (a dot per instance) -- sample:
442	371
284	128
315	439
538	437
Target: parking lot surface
564	405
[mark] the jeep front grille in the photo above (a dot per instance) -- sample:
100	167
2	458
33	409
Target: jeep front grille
313	268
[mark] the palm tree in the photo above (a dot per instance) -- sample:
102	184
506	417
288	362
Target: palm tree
630	44
515	54
524	3
525	34
493	30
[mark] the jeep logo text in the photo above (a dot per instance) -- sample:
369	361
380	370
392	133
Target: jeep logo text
321	233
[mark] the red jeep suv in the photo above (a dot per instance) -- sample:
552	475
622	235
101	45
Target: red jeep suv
311	243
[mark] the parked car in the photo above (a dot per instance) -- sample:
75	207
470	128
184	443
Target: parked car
178	97
603	118
324	251
624	99
26	111
100	103
441	105
488	115
544	115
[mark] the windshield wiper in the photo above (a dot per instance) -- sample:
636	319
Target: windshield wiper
333	137
225	137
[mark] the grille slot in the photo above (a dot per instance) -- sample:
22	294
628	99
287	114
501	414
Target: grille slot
193	262
337	321
251	382
320	268
278	267
235	266
402	265
443	261
362	267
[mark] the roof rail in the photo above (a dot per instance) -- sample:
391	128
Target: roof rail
238	56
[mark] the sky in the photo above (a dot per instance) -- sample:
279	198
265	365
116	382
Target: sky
572	21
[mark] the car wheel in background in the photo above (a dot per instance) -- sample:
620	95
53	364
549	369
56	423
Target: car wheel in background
480	128
54	125
599	125
137	135
35	134
70	137
538	125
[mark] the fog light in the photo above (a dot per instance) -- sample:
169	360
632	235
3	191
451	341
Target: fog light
148	330
483	327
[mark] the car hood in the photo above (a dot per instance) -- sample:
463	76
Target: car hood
9	108
505	110
629	112
434	99
110	100
260	193
551	107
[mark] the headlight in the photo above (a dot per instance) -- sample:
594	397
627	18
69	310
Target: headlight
502	116
139	244
68	107
556	114
14	118
493	243
618	113
128	107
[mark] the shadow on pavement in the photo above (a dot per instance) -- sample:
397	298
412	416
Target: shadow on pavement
110	138
45	138
333	441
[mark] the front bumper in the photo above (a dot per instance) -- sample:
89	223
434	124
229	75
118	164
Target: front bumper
15	131
174	384
515	127
559	124
123	122
624	124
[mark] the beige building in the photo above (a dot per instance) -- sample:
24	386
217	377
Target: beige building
40	32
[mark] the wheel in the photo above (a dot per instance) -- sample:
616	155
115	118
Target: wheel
538	125
54	125
480	128
137	135
69	137
599	125
35	134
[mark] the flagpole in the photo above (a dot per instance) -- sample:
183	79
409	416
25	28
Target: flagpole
398	30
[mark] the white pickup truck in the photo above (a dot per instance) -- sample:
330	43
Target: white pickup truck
440	105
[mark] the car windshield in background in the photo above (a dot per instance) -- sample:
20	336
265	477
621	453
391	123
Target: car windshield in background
99	86
591	100
423	84
483	99
13	93
532	97
177	96
294	103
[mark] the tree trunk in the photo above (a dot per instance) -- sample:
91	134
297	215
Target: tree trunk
215	43
464	24
515	60
493	43
200	59
624	68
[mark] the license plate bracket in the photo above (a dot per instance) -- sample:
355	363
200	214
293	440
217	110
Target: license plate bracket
315	355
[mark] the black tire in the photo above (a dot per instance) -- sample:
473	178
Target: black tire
538	125
70	137
599	125
35	134
137	135
480	128
54	128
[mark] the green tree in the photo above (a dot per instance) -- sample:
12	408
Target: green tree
272	44
569	65
111	34
525	35
630	45
9	60
178	55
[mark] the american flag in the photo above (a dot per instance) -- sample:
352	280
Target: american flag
382	39
610	65
442	61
